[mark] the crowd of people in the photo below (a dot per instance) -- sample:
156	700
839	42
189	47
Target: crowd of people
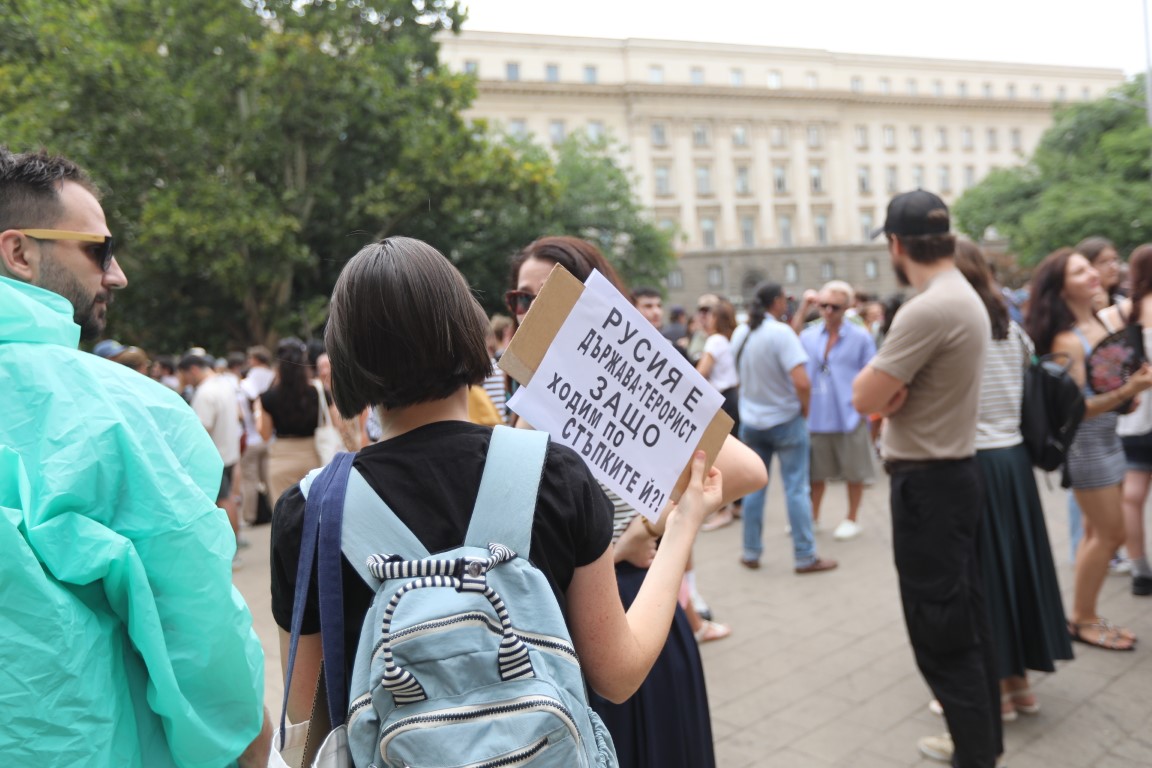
158	469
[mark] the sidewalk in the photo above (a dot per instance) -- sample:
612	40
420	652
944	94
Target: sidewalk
818	671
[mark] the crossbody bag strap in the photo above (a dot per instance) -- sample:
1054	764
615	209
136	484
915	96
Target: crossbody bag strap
316	489
506	502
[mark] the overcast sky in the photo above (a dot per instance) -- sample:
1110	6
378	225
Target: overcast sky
1100	33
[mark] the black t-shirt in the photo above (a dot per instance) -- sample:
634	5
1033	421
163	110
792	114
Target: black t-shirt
430	477
292	419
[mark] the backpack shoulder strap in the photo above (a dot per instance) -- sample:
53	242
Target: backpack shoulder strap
506	502
372	528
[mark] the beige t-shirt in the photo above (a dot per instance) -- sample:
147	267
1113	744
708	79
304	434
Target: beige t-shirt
937	346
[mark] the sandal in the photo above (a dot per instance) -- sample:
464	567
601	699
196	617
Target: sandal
1024	701
711	630
1108	635
1007	708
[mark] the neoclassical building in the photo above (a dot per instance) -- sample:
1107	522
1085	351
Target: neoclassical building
771	162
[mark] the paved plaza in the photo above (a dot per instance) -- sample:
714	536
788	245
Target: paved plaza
818	671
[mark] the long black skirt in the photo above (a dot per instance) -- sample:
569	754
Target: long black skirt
1028	624
666	722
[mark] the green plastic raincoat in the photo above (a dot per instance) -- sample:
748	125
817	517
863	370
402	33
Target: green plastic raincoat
122	639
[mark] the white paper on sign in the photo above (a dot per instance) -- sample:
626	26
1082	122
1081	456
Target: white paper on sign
614	389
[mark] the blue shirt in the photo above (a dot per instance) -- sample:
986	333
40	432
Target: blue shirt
830	407
767	395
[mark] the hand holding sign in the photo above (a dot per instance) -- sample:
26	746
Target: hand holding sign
601	379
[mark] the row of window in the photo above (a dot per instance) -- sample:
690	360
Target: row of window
778	136
775	80
817	181
785	234
715	274
557	130
942	135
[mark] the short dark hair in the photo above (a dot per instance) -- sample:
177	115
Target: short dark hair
928	249
30	188
577	256
645	292
237	359
260	353
191	361
404	328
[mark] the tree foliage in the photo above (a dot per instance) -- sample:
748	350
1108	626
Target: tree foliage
248	149
1090	175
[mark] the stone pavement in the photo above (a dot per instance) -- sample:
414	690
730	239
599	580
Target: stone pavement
818	671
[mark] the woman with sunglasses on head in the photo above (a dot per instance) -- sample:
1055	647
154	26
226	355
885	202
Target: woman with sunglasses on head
666	722
1062	321
429	463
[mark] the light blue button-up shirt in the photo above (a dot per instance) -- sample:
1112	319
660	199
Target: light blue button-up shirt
830	408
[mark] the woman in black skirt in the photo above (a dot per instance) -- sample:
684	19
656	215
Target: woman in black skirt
1028	624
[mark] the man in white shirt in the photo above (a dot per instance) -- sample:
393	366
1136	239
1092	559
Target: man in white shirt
254	459
214	402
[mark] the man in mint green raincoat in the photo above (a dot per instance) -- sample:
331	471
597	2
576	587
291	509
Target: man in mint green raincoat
122	639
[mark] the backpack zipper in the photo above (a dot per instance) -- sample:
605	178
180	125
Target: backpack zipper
463	714
516	758
542	642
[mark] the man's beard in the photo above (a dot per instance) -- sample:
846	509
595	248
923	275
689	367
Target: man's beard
901	275
88	312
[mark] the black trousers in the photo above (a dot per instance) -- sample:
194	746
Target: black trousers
937	509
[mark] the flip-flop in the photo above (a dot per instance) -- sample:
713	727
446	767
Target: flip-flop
1108	636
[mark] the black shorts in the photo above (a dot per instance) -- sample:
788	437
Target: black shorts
225	484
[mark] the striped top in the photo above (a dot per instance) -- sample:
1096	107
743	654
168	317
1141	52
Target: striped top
1002	390
494	386
622	513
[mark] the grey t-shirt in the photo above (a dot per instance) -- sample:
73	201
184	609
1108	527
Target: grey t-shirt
937	346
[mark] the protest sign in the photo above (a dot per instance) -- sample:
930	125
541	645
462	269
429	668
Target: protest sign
598	377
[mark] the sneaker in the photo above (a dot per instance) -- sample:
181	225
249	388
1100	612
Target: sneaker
1119	565
937	747
849	529
1142	585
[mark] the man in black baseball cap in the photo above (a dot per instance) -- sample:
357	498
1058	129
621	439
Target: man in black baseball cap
922	216
926	380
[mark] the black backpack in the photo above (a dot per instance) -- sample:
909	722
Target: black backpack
1052	410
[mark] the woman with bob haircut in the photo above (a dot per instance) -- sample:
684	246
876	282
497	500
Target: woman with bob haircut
406	337
1062	321
666	722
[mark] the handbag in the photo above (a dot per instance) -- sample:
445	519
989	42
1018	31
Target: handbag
327	437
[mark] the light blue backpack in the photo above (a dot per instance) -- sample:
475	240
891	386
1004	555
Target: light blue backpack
464	659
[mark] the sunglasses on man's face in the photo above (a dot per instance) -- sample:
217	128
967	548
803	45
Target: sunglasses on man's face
703	310
518	302
831	307
100	250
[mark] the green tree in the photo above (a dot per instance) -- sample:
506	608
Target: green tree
250	148
1090	175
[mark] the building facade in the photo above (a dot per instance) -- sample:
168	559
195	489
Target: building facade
771	163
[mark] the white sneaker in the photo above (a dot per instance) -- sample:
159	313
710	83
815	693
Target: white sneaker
937	747
848	529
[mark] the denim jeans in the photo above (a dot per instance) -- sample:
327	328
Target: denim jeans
790	441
